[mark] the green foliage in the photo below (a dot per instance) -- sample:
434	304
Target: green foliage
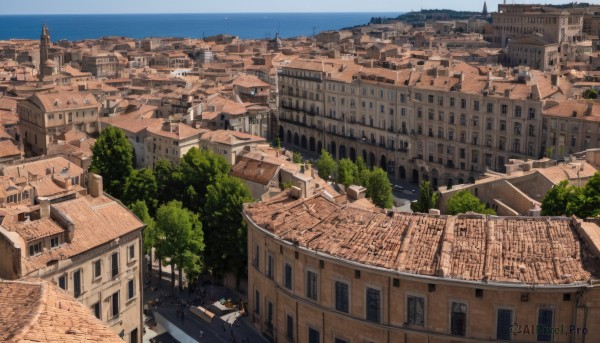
347	172
225	231
169	182
464	201
185	240
326	165
141	185
200	168
150	236
277	142
112	158
380	189
590	94
296	157
568	200
364	173
427	200
285	185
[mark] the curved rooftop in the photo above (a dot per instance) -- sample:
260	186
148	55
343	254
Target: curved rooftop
510	250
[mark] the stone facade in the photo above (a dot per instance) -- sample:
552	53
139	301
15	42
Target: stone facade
309	282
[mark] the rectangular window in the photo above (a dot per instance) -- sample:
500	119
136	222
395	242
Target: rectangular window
289	328
115	305
415	310
458	319
545	320
114	262
476	105
373	305
341	296
131	250
311	285
313	336
97	268
62	282
53	242
270	264
257	301
256	256
77	283
130	289
96	309
35	249
288	276
503	324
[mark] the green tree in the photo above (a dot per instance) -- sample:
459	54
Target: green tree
379	189
590	94
113	159
347	172
149	235
464	201
169	182
326	165
364	173
200	168
427	200
141	185
591	192
277	142
224	227
185	242
296	157
556	202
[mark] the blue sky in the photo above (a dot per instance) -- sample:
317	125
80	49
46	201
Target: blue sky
200	6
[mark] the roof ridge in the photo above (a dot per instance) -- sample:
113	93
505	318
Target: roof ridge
40	304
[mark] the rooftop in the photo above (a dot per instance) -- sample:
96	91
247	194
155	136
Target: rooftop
508	250
37	311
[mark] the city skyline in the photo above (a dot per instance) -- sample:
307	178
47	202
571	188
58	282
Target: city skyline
235	6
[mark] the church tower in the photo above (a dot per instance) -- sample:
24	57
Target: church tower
44	45
485	12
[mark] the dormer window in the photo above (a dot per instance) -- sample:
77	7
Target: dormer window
54	242
35	249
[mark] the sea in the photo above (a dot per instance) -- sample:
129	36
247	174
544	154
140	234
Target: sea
191	25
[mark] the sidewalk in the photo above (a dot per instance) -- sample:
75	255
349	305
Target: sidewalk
229	328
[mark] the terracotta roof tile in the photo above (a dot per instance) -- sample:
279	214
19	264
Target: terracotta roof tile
547	251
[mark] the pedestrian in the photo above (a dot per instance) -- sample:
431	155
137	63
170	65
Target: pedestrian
201	334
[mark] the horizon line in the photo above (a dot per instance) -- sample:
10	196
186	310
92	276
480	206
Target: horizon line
147	13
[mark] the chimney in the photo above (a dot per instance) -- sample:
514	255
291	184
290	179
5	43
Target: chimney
434	212
555	79
44	207
95	185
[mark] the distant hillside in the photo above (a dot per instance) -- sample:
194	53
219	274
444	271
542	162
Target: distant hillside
419	18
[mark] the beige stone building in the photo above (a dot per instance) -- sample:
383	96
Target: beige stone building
555	25
533	51
170	142
229	144
88	244
100	65
443	122
322	271
42	117
571	126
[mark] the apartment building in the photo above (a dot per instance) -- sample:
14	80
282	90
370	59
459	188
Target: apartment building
556	25
170	142
321	271
88	244
571	126
443	122
42	117
100	65
229	144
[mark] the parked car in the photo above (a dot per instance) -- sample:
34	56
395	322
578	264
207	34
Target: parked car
398	188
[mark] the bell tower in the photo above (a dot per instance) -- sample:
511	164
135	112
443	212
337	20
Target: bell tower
44	45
